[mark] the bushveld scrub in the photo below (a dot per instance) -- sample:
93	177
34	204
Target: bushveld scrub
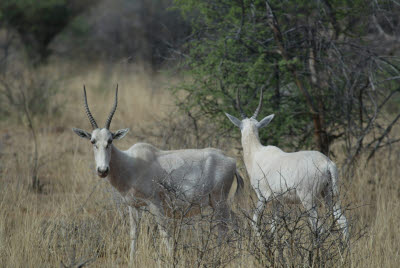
76	220
323	75
329	70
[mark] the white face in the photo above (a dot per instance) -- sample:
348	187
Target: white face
102	140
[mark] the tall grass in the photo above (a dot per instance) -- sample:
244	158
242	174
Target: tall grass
75	219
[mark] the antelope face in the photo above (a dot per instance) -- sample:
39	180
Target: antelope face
102	144
101	138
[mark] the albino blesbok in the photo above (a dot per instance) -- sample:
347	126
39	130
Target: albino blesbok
300	177
146	176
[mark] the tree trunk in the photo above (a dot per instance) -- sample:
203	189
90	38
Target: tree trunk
320	136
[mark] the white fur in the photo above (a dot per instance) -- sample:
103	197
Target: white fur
300	177
145	176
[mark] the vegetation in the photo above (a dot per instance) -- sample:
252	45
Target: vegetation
329	70
95	29
75	218
36	22
322	72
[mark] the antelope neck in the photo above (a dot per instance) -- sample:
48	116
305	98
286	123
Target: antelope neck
250	142
119	171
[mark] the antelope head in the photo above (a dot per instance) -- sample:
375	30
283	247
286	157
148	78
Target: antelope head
101	138
249	125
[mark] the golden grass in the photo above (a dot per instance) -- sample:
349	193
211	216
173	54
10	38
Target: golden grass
75	218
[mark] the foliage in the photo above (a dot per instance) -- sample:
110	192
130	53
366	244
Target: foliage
140	31
36	21
26	92
321	70
95	29
22	83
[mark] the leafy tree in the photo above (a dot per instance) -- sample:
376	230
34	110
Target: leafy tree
132	30
38	22
322	72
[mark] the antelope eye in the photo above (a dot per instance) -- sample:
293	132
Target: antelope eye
109	141
93	141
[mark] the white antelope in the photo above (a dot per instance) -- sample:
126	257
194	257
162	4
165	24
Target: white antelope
145	175
299	177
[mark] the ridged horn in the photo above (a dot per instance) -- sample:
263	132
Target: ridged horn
239	107
108	122
88	113
259	104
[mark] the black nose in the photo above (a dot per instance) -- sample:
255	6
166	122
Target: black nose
102	172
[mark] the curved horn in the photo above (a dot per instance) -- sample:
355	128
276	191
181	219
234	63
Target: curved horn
239	107
88	113
108	122
259	105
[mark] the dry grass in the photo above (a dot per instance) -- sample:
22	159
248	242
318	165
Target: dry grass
75	218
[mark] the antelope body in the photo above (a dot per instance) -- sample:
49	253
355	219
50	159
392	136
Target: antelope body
301	177
146	176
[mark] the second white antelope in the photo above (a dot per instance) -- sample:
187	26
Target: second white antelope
300	177
146	176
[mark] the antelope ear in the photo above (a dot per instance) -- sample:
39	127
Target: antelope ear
82	133
119	134
265	121
234	120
